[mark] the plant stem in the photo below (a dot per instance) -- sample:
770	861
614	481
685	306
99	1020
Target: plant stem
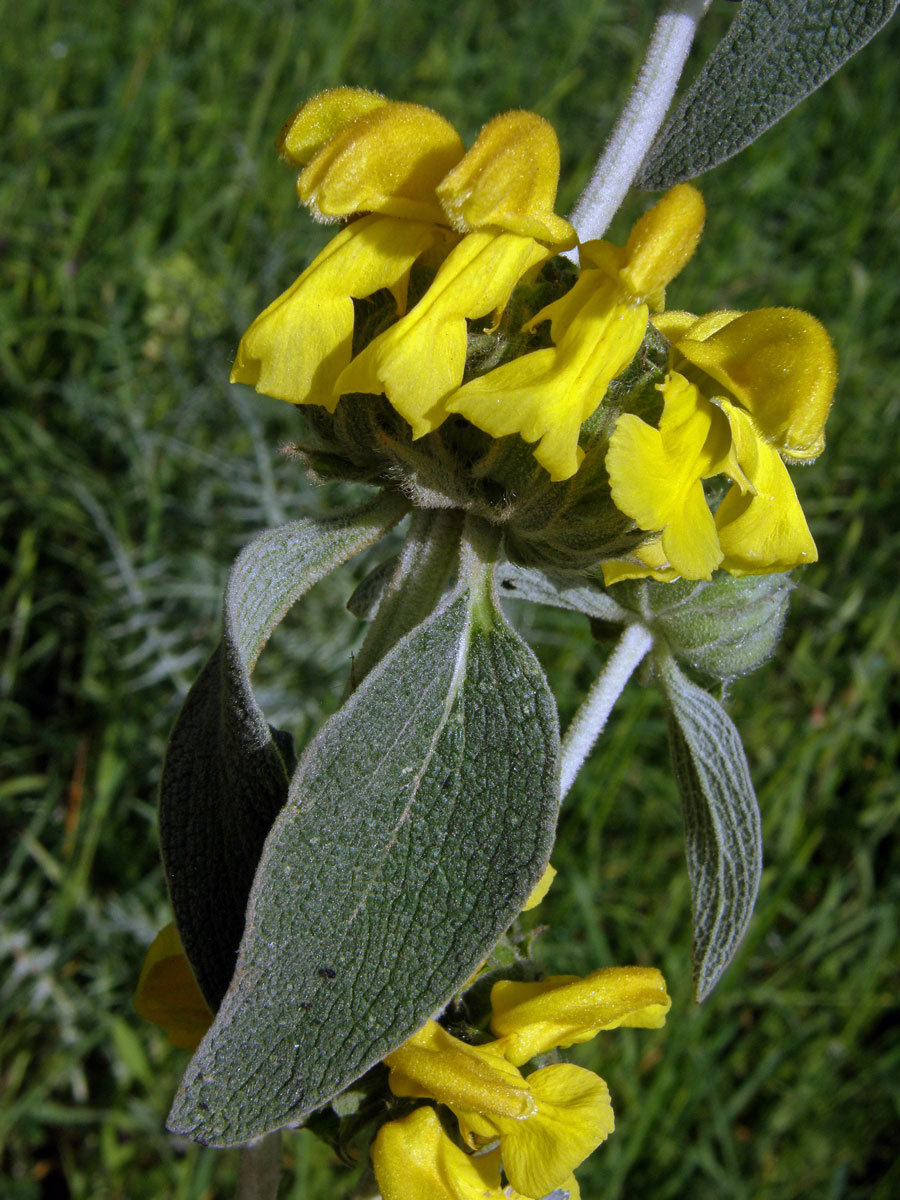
477	564
640	119
589	721
260	1166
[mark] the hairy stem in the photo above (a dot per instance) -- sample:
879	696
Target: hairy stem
589	721
260	1165
640	119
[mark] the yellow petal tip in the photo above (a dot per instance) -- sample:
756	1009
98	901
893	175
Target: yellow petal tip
508	181
317	120
663	240
387	160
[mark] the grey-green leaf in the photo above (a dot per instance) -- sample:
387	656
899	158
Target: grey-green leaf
363	604
560	590
226	773
418	822
725	627
723	840
774	54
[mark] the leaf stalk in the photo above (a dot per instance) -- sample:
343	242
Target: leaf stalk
260	1166
590	720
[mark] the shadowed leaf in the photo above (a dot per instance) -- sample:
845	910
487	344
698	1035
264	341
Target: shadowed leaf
723	841
226	773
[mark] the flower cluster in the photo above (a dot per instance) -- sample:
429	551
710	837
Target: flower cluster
743	394
538	1127
485	220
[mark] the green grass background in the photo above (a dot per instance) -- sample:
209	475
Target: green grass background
144	220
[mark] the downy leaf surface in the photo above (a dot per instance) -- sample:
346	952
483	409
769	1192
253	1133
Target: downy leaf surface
723	840
226	772
418	822
774	54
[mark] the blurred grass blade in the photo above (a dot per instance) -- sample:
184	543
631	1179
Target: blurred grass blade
771	58
419	820
226	773
723	840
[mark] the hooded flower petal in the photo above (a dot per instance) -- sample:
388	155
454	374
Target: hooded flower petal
597	328
413	1157
389	160
296	349
532	1018
662	242
316	121
167	993
778	363
762	529
655	474
420	360
508	181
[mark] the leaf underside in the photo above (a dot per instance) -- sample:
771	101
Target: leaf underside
723	839
226	773
775	53
418	822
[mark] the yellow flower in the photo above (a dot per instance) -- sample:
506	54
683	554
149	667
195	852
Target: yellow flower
167	993
546	1123
414	1158
747	393
551	1120
501	197
532	1018
655	474
486	217
361	154
596	330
